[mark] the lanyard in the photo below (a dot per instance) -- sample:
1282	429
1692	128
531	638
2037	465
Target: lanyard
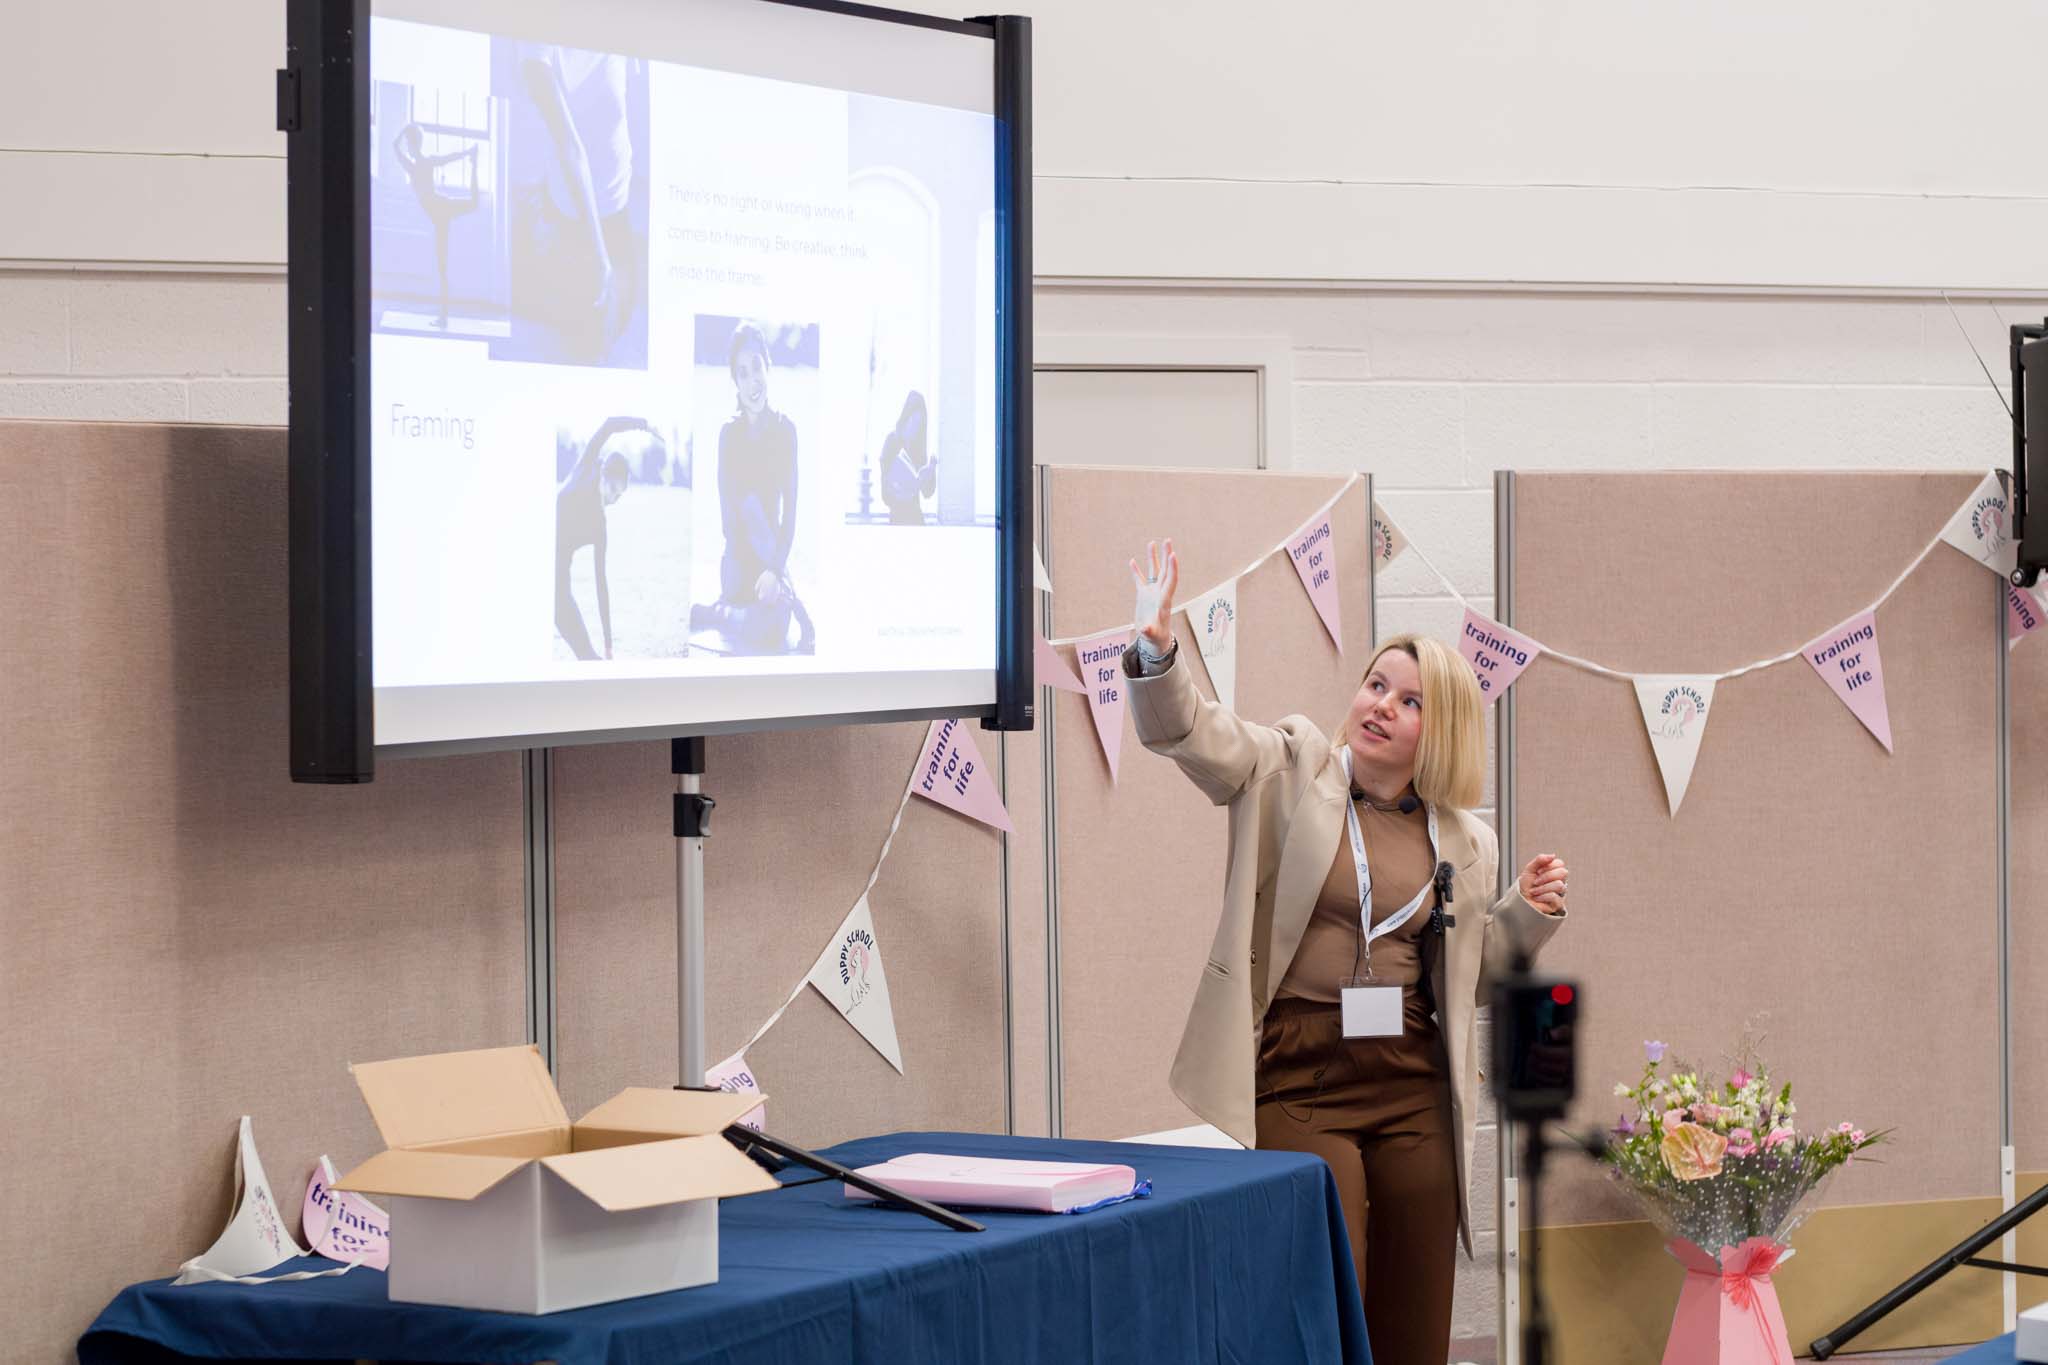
1406	912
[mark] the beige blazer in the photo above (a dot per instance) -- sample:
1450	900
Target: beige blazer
1285	788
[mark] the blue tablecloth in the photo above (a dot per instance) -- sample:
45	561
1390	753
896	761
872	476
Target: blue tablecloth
1999	1352
1237	1258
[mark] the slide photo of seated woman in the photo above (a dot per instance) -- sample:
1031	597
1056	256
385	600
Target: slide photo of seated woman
622	540
577	191
438	213
755	392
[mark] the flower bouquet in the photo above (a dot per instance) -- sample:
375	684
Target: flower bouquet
1723	1172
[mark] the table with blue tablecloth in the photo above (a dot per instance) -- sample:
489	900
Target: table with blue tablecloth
1234	1257
1999	1352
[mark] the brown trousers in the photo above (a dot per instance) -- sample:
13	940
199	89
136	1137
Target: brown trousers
1378	1110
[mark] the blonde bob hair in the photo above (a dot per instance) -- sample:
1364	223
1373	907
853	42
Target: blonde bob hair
1450	755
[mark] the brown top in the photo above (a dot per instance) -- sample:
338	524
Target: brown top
1397	850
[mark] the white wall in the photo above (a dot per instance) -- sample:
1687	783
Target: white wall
1723	143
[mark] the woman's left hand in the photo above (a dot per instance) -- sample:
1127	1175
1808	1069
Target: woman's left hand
1542	883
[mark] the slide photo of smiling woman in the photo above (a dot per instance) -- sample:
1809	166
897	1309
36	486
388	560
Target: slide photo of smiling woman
755	391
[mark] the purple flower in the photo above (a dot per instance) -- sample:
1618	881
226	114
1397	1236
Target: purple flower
1627	1126
1653	1051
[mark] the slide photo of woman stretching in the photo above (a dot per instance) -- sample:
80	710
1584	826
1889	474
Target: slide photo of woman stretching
756	391
577	178
623	493
437	218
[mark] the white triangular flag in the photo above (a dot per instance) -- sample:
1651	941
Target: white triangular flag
849	974
1675	708
1213	617
254	1239
1387	540
1038	573
1982	527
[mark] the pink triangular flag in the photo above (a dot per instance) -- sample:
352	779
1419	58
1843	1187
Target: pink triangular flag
1313	550
2026	612
950	772
342	1225
1847	658
1498	655
735	1077
1052	668
1101	658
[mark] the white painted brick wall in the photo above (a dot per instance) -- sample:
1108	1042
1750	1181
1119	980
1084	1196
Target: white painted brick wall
142	347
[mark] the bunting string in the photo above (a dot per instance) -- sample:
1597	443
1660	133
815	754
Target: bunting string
1674	706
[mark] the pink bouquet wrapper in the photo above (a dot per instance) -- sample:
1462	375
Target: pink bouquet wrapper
1728	1311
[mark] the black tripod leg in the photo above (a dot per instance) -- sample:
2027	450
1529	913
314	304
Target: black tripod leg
1825	1346
746	1137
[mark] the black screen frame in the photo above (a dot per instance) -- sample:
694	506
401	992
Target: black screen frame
323	103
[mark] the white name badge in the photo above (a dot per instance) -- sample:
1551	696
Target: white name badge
1372	1011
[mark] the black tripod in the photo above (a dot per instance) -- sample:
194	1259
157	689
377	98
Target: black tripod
1963	1253
1534	1074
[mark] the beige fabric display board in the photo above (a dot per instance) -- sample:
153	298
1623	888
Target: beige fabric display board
188	936
800	818
1842	901
1138	866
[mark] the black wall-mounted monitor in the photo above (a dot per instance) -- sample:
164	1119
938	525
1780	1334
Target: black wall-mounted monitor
2029	449
658	367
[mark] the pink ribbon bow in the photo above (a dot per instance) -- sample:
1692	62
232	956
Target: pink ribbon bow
1740	1270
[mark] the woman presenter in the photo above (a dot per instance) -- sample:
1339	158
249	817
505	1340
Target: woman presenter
1359	933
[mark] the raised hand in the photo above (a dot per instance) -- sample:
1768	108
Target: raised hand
1543	883
1155	585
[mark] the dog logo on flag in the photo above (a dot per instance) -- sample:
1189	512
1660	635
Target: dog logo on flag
1680	708
1380	542
1987	520
855	953
1221	621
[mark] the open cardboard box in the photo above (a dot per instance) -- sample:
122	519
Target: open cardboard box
498	1201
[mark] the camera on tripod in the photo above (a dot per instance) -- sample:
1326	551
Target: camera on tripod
1535	1072
1535	1062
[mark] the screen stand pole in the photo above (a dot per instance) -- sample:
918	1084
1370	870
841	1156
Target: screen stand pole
692	828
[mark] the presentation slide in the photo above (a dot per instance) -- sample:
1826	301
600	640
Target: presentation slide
683	396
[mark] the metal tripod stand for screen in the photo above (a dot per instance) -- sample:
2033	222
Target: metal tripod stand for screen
692	827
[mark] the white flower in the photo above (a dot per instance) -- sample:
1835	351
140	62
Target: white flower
1621	1091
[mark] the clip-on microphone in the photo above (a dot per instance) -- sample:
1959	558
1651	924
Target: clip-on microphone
1438	920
